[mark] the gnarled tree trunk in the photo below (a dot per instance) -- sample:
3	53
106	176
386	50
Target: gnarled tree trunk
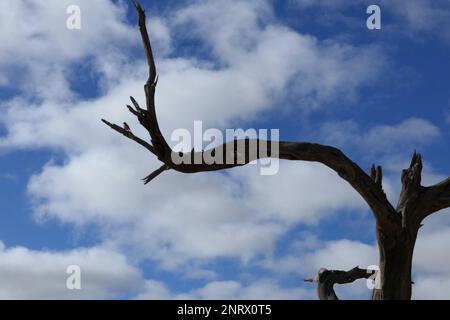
395	269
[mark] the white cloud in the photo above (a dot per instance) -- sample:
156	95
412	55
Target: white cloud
425	16
432	287
30	274
228	290
388	145
431	250
225	210
381	139
413	130
342	255
245	37
35	39
299	192
39	28
305	260
431	260
154	290
255	77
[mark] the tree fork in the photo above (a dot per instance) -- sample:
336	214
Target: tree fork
326	279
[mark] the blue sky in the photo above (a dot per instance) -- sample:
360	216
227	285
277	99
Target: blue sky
70	189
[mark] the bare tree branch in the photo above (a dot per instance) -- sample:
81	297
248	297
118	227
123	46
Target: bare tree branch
369	189
130	135
411	192
147	118
332	157
418	200
151	122
155	173
326	279
377	175
146	42
136	113
435	198
136	105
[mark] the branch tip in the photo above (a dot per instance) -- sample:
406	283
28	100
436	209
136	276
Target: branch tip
155	173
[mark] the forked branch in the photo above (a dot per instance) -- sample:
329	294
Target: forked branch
130	135
377	175
369	188
435	198
326	279
417	200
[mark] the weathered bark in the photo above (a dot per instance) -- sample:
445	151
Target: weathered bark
395	270
396	246
396	228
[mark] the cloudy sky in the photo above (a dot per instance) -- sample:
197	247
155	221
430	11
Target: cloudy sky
70	188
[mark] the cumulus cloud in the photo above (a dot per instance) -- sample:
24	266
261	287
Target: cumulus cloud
431	261
246	37
432	287
225	210
310	254
389	145
297	192
407	135
37	41
40	26
228	290
31	274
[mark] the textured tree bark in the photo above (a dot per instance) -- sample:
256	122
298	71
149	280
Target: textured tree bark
397	248
395	270
396	228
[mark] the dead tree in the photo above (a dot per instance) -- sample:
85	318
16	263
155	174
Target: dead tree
396	227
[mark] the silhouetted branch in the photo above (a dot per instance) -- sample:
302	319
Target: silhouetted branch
155	173
436	198
370	189
377	175
130	135
326	279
